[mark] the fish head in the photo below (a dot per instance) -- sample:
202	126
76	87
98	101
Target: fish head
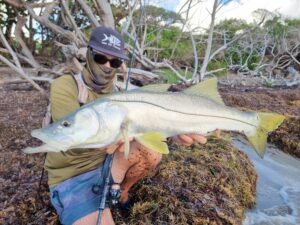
92	126
70	131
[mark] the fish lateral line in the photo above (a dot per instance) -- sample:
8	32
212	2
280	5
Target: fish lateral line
184	113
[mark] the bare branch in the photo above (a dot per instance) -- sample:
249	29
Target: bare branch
18	4
46	22
214	71
175	71
21	73
89	13
25	59
72	21
195	56
14	3
25	50
18	67
11	52
234	40
147	74
129	18
207	56
183	25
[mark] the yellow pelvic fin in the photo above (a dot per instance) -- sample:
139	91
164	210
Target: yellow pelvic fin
208	89
155	88
268	123
154	141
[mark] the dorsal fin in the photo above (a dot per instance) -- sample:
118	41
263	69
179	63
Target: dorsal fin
207	88
154	88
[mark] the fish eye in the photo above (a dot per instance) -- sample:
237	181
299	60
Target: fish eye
66	123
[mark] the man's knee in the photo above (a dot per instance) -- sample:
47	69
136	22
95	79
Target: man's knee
150	156
92	218
154	157
139	154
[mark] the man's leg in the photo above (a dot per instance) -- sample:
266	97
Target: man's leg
91	219
141	161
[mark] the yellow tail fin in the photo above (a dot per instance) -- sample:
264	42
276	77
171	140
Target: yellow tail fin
268	123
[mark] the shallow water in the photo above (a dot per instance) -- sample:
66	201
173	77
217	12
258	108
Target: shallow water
278	187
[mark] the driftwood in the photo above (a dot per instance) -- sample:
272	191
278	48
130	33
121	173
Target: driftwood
274	55
17	66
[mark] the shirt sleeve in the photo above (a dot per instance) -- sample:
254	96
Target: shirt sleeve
63	97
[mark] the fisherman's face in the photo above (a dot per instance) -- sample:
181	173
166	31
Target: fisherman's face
106	59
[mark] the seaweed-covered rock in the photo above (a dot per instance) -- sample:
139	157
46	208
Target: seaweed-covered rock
205	184
287	136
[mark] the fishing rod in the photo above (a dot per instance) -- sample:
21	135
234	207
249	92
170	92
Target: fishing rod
106	169
115	194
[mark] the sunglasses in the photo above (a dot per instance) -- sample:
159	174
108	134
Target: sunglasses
102	59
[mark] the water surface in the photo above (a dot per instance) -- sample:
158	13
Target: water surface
278	187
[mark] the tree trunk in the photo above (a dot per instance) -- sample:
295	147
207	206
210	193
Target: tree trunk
209	41
106	15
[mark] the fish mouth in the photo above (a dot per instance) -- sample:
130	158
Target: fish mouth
46	141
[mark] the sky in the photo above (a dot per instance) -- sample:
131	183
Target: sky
233	9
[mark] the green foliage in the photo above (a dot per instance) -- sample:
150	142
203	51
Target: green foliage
269	84
232	26
166	43
294	23
155	15
170	76
213	65
275	27
239	55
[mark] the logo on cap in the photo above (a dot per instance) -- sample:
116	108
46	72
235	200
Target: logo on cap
111	41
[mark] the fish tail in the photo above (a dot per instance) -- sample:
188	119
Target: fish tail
267	123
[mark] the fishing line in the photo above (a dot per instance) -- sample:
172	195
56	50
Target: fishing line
135	41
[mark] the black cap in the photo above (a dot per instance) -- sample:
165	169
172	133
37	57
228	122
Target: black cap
108	41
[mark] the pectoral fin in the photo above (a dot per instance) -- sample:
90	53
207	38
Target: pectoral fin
154	141
124	131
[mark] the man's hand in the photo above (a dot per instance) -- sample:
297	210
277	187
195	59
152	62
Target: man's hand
189	139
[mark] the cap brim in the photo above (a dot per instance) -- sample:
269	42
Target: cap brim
121	56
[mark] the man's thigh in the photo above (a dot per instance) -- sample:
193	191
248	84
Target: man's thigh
78	196
91	219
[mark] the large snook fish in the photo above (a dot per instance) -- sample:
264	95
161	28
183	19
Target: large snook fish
151	114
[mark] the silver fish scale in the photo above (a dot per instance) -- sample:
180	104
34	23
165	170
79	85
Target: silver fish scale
192	113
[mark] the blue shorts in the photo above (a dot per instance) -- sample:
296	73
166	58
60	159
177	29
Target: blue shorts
78	196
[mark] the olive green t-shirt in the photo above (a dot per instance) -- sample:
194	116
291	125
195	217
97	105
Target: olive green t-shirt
64	165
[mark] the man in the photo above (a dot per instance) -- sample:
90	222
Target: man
75	177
